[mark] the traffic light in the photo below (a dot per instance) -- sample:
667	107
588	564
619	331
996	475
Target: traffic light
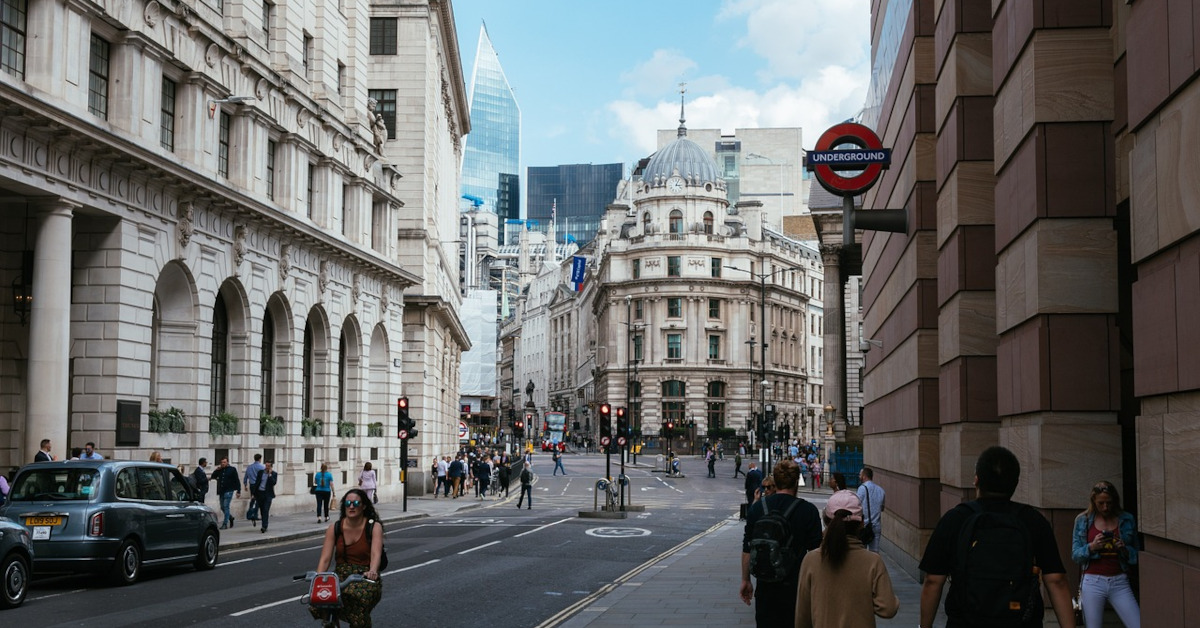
670	426
622	422
605	420
519	429
403	421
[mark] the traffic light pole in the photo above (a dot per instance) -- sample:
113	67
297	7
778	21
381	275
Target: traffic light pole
404	472
405	429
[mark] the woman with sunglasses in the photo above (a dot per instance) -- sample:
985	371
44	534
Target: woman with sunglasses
347	541
1105	546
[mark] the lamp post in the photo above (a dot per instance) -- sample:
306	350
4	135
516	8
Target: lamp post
760	428
830	415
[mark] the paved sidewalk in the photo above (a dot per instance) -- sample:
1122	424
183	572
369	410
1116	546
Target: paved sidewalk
697	585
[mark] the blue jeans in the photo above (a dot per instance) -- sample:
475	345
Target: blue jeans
557	466
1114	589
226	500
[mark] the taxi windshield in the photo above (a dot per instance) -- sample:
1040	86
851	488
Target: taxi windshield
77	483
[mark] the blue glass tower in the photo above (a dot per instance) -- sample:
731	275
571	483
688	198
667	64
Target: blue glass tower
492	157
579	193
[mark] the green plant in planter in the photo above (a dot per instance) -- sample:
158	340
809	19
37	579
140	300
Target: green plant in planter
375	429
311	428
166	421
346	429
271	425
223	424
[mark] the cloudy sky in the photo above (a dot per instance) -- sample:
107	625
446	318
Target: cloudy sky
596	79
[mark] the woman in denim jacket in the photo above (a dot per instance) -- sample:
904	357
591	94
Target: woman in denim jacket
1105	546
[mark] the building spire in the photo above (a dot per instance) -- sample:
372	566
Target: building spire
682	118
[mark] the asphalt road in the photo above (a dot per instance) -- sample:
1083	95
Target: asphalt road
496	566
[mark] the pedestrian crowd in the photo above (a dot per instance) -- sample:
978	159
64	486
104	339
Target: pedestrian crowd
485	471
990	557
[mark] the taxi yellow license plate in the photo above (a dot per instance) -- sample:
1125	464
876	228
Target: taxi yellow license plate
43	521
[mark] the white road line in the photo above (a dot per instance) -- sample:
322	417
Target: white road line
299	597
543	527
246	560
428	562
468	551
46	597
266	606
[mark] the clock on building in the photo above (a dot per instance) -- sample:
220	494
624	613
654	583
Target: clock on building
675	185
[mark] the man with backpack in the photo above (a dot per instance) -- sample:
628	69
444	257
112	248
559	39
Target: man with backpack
992	550
780	529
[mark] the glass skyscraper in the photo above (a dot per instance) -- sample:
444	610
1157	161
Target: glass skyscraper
492	157
578	193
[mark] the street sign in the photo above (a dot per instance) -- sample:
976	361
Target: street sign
462	431
604	440
826	160
621	441
412	463
403	434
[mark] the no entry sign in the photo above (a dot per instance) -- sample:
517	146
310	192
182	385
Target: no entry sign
869	159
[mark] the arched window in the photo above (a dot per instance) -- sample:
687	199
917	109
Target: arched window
673	404
646	223
708	222
219	361
306	373
676	224
716	405
267	360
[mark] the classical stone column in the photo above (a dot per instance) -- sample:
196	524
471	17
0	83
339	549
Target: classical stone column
833	302
49	331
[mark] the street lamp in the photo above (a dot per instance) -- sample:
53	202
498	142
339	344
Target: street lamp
830	415
764	452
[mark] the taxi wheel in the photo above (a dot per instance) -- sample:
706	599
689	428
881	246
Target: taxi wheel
15	572
206	558
128	565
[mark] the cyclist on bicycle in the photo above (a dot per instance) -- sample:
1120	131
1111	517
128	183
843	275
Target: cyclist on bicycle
347	541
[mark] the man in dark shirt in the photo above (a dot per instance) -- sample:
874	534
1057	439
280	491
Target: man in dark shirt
754	479
996	475
775	602
228	484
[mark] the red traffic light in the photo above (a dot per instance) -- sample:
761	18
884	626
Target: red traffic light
670	425
620	412
402	403
605	409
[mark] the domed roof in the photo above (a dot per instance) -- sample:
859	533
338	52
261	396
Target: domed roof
683	155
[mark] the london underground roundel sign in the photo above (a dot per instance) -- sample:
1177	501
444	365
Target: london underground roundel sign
869	159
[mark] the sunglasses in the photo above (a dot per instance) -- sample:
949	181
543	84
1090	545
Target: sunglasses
353	503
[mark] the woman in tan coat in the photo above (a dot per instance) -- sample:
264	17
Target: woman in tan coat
842	583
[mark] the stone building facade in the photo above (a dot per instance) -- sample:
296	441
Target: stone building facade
686	286
202	207
1040	298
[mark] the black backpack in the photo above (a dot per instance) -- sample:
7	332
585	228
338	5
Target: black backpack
337	534
994	580
773	553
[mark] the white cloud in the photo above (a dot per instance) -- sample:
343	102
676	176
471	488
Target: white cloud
664	67
815	71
